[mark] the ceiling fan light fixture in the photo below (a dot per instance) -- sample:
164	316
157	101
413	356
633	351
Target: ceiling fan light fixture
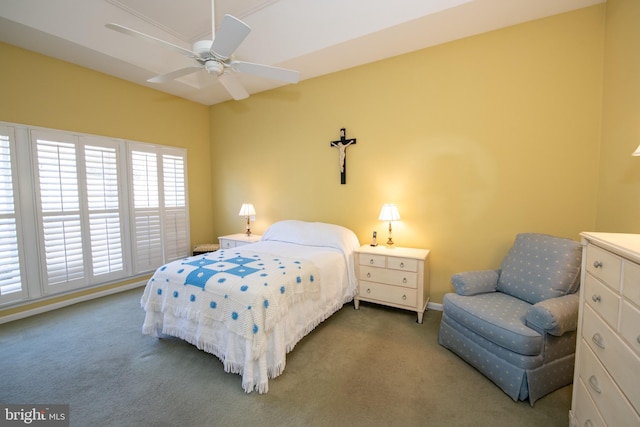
214	67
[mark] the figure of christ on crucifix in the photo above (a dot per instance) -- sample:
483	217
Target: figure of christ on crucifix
342	146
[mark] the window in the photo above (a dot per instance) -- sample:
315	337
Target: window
90	219
10	270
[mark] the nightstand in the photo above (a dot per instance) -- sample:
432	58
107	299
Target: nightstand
235	240
397	277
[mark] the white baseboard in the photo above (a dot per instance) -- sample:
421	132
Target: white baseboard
434	306
71	301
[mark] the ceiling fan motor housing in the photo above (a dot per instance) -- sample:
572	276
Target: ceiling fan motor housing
214	67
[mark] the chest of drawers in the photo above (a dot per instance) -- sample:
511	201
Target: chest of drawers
397	277
606	389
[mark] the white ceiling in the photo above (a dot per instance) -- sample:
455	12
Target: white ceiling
315	37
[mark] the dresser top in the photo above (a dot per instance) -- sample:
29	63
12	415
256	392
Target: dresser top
625	245
394	251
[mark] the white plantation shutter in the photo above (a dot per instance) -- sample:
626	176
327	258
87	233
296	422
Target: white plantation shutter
103	203
10	271
60	208
176	220
161	228
146	205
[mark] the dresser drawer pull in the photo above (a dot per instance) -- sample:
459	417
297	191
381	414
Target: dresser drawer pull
371	261
368	290
597	264
404	297
597	340
593	382
404	280
596	298
368	275
402	265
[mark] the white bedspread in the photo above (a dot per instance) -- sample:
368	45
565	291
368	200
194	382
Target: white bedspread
249	305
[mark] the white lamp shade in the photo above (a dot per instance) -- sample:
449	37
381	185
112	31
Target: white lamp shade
637	152
389	212
247	209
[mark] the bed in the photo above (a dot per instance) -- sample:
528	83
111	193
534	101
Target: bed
252	304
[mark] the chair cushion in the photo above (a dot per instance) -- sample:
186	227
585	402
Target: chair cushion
498	317
539	267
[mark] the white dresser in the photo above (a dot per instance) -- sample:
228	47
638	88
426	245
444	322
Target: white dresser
398	277
606	383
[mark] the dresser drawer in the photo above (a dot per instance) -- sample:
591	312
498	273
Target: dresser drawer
388	294
585	410
606	395
614	354
404	264
630	326
390	277
602	299
631	281
604	265
372	260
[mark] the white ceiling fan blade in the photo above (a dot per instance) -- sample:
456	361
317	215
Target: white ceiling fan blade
231	33
148	38
233	86
267	71
175	74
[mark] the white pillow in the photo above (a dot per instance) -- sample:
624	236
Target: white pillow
313	234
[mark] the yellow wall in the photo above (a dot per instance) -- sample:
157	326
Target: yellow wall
474	140
619	195
41	91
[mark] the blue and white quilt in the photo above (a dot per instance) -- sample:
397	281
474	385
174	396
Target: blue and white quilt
246	291
250	305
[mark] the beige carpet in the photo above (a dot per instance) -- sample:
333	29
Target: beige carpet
371	367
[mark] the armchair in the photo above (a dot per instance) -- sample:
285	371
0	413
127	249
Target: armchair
517	324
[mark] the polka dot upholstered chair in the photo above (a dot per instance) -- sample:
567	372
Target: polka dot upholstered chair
517	324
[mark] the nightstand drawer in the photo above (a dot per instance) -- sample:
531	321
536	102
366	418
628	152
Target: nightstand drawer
390	277
388	294
404	264
373	260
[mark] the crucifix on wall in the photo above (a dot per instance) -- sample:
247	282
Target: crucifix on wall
342	147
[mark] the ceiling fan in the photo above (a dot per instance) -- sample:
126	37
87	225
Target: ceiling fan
216	57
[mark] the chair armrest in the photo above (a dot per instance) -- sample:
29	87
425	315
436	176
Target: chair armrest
475	282
555	316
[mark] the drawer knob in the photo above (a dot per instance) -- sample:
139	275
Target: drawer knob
596	298
371	261
588	423
368	275
593	382
402	265
597	264
404	280
597	340
368	290
404	297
